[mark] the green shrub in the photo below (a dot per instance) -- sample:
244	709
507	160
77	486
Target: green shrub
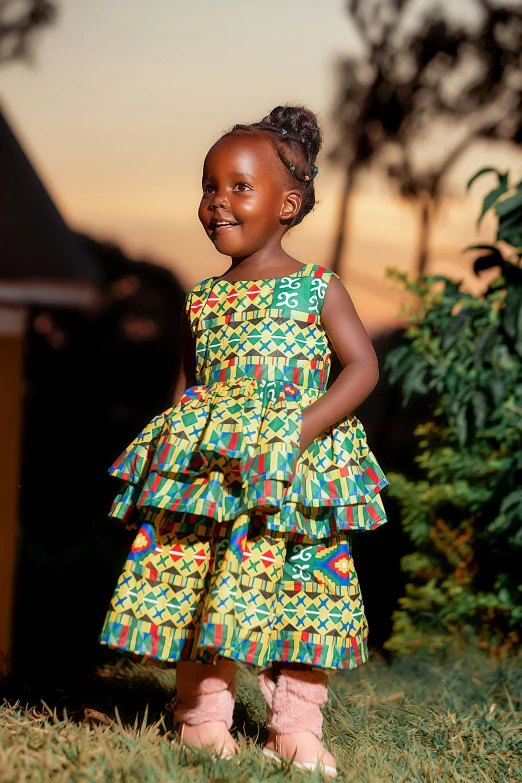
464	517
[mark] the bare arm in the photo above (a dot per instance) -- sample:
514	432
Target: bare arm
360	368
187	375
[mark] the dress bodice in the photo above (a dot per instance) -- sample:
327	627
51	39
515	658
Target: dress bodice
268	330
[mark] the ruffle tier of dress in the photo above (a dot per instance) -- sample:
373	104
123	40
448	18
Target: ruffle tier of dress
233	447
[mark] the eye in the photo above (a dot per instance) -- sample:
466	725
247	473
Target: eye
207	187
243	186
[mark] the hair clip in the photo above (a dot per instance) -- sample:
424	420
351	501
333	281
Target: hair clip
303	139
292	168
284	131
307	177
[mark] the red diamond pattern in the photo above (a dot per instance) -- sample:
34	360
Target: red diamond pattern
232	295
253	291
268	559
176	552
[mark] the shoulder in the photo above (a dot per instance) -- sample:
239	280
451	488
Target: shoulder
327	276
337	301
322	273
314	281
198	288
326	280
194	293
335	294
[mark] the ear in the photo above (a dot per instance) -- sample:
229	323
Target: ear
291	205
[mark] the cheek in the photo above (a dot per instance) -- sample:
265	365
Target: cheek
257	209
203	212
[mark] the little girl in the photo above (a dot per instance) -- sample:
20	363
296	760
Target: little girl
246	490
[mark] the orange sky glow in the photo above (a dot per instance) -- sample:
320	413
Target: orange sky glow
124	99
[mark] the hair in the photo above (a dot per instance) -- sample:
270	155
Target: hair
296	136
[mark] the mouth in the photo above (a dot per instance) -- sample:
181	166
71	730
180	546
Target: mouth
222	226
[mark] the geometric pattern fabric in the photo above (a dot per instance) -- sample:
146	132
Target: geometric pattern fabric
242	545
192	591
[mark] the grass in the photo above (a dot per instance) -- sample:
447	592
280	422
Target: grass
457	718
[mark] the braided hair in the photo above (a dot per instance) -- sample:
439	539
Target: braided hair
294	131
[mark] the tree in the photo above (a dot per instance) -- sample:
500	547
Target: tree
414	77
19	21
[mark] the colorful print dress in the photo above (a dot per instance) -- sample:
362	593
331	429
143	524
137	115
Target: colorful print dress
243	547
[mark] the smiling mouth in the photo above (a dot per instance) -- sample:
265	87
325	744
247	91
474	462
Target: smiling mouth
223	226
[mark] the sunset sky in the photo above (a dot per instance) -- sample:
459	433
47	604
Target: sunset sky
125	97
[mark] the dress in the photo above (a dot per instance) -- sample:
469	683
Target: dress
243	547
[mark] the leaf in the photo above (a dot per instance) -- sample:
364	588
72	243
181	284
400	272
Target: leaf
479	247
518	333
461	425
479	403
512	311
486	262
491	199
487	170
479	354
510	229
512	204
513	499
398	361
456	323
452	288
414	381
513	274
497	388
493	258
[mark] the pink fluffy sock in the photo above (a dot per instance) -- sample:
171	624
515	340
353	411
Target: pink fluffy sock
295	700
205	692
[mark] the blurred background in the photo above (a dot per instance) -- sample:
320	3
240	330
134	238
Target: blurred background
107	112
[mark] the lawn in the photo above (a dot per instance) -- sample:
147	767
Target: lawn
452	718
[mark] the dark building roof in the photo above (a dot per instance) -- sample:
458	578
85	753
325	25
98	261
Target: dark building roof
35	242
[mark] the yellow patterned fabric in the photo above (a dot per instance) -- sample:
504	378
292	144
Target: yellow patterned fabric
243	545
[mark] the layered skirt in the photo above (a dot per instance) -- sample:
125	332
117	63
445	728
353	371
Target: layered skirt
243	546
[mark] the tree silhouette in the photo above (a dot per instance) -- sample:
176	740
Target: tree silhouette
19	20
464	78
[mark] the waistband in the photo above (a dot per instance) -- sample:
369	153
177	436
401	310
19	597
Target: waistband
312	376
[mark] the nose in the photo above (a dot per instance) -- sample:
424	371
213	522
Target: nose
219	200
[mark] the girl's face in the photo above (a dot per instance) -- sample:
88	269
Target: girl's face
245	205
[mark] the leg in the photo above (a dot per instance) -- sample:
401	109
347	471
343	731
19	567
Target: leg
205	703
295	720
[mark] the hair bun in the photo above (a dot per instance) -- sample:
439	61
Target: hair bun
301	121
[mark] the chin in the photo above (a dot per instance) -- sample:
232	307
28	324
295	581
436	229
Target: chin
228	248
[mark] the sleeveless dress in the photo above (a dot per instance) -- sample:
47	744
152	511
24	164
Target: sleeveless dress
243	547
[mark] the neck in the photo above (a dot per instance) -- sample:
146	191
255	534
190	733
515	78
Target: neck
266	259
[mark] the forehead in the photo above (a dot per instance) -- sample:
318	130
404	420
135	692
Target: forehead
252	155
